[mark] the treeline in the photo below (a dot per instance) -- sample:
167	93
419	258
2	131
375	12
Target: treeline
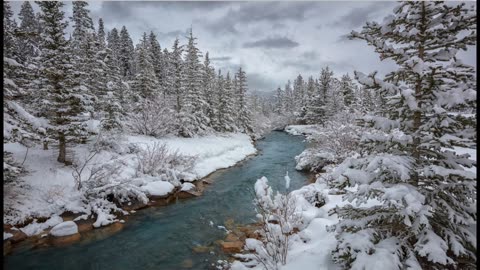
315	100
54	86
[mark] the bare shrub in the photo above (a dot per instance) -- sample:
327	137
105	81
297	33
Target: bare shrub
158	160
151	118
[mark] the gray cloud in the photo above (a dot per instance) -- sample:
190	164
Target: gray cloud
258	81
358	16
221	58
251	12
272	42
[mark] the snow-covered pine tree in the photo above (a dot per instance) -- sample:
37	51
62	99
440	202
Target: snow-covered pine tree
101	35
299	92
83	49
288	106
225	115
175	81
28	35
166	76
299	88
192	115
315	112
145	83
244	118
208	85
347	90
64	106
427	195
125	54
156	57
279	96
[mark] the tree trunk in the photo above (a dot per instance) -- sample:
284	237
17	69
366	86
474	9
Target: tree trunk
62	148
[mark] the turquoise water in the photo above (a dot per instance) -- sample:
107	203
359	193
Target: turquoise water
163	237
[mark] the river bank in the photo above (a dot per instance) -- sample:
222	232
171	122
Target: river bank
176	235
34	206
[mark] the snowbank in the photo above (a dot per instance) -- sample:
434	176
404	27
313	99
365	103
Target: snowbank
159	188
302	129
49	188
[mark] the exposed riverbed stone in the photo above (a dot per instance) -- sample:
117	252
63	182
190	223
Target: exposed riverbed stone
65	240
187	194
201	249
17	236
232	238
232	247
187	263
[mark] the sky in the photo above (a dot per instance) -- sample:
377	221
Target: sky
272	41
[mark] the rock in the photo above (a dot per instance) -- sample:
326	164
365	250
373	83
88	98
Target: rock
232	247
229	223
187	263
207	181
7	247
64	229
66	240
17	236
84	226
187	194
136	205
200	249
231	238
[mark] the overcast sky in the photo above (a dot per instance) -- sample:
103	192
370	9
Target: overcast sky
272	41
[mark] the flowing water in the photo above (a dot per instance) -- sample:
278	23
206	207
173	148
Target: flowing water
164	237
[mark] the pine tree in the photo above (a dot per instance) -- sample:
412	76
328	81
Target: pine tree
176	77
193	119
125	54
208	85
279	96
28	41
64	106
83	49
101	35
145	83
288	105
299	92
225	116
347	88
156	56
244	121
426	192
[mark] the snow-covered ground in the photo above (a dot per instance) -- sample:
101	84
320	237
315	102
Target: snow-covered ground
49	188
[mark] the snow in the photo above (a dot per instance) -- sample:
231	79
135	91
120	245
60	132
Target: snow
213	152
187	187
301	129
35	228
64	229
159	188
6	235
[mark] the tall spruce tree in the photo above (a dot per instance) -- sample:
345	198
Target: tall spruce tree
145	83
125	54
244	120
64	106
193	119
427	194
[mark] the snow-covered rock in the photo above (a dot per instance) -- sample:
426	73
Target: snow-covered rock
64	229
187	187
158	188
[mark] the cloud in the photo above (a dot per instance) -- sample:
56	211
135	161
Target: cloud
260	82
357	17
221	58
251	12
272	42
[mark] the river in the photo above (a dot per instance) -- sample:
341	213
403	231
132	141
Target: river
163	237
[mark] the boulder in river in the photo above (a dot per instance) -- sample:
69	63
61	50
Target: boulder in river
232	247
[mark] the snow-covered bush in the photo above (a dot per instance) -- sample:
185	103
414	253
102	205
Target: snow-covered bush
279	219
11	168
158	160
151	118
